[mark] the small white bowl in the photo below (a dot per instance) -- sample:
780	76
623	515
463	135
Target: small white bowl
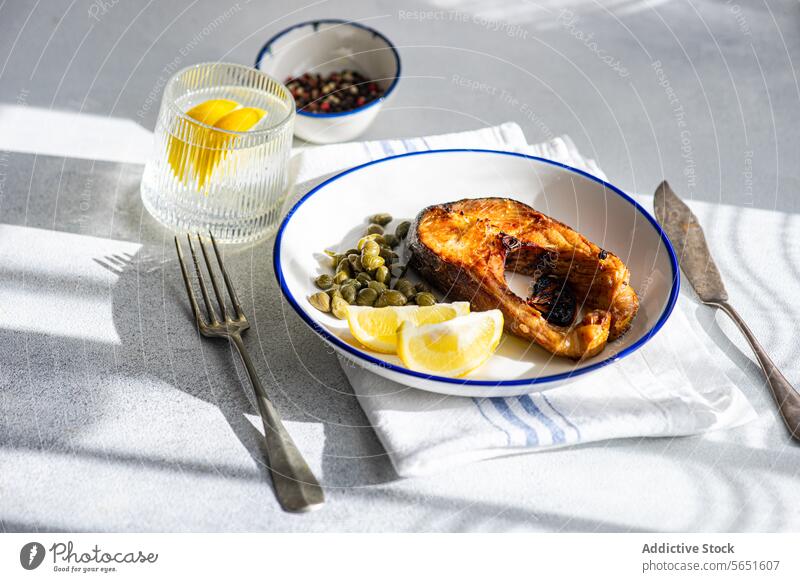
324	47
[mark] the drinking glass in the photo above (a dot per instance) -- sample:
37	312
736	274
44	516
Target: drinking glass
202	178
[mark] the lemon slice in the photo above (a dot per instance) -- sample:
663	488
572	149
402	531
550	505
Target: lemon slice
202	148
376	327
211	111
451	348
206	159
243	119
181	152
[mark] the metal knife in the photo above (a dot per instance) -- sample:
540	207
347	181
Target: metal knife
694	256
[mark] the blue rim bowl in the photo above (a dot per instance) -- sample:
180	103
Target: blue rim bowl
267	48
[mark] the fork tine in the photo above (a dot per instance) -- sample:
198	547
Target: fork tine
220	299
203	289
192	301
234	299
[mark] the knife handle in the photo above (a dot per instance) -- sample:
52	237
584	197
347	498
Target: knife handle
786	397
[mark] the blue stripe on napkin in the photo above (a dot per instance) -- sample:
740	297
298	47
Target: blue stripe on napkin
531	438
477	402
530	407
562	416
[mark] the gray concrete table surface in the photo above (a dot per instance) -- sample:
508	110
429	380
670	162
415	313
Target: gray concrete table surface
153	432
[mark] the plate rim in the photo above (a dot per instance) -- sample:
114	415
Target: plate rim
367	358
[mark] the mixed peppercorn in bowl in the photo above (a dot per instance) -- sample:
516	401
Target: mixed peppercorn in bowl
323	56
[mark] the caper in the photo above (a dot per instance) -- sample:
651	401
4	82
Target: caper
391	240
348	293
371	248
352	252
355	263
381	301
402	229
324	282
354	282
421	287
366	296
344	267
363	278
339	307
382	275
405	287
340	277
363	240
424	298
374	229
394	298
321	301
389	256
377	286
382	218
334	292
371	262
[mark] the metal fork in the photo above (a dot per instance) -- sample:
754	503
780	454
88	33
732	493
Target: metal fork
295	485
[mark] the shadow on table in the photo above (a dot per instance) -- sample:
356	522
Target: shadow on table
303	375
157	340
92	370
7	526
153	318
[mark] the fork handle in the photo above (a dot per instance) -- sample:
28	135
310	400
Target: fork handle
786	397
296	487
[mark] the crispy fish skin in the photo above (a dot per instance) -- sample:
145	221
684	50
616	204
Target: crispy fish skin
465	247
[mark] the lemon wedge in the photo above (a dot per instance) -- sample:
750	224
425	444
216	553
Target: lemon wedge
243	119
180	152
211	111
200	147
376	327
207	158
451	348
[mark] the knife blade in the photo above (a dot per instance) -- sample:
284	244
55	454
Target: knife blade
689	242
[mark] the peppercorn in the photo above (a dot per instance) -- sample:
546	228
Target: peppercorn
337	92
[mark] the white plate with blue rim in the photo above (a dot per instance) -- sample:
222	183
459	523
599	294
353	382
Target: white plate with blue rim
333	216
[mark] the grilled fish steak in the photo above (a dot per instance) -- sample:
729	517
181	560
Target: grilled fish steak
465	248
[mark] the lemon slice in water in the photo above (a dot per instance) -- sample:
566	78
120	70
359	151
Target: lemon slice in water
242	119
211	111
217	143
181	150
201	148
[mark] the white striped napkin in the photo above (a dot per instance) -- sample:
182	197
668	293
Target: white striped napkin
670	387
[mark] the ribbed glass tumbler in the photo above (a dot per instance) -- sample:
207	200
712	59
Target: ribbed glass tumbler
221	152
